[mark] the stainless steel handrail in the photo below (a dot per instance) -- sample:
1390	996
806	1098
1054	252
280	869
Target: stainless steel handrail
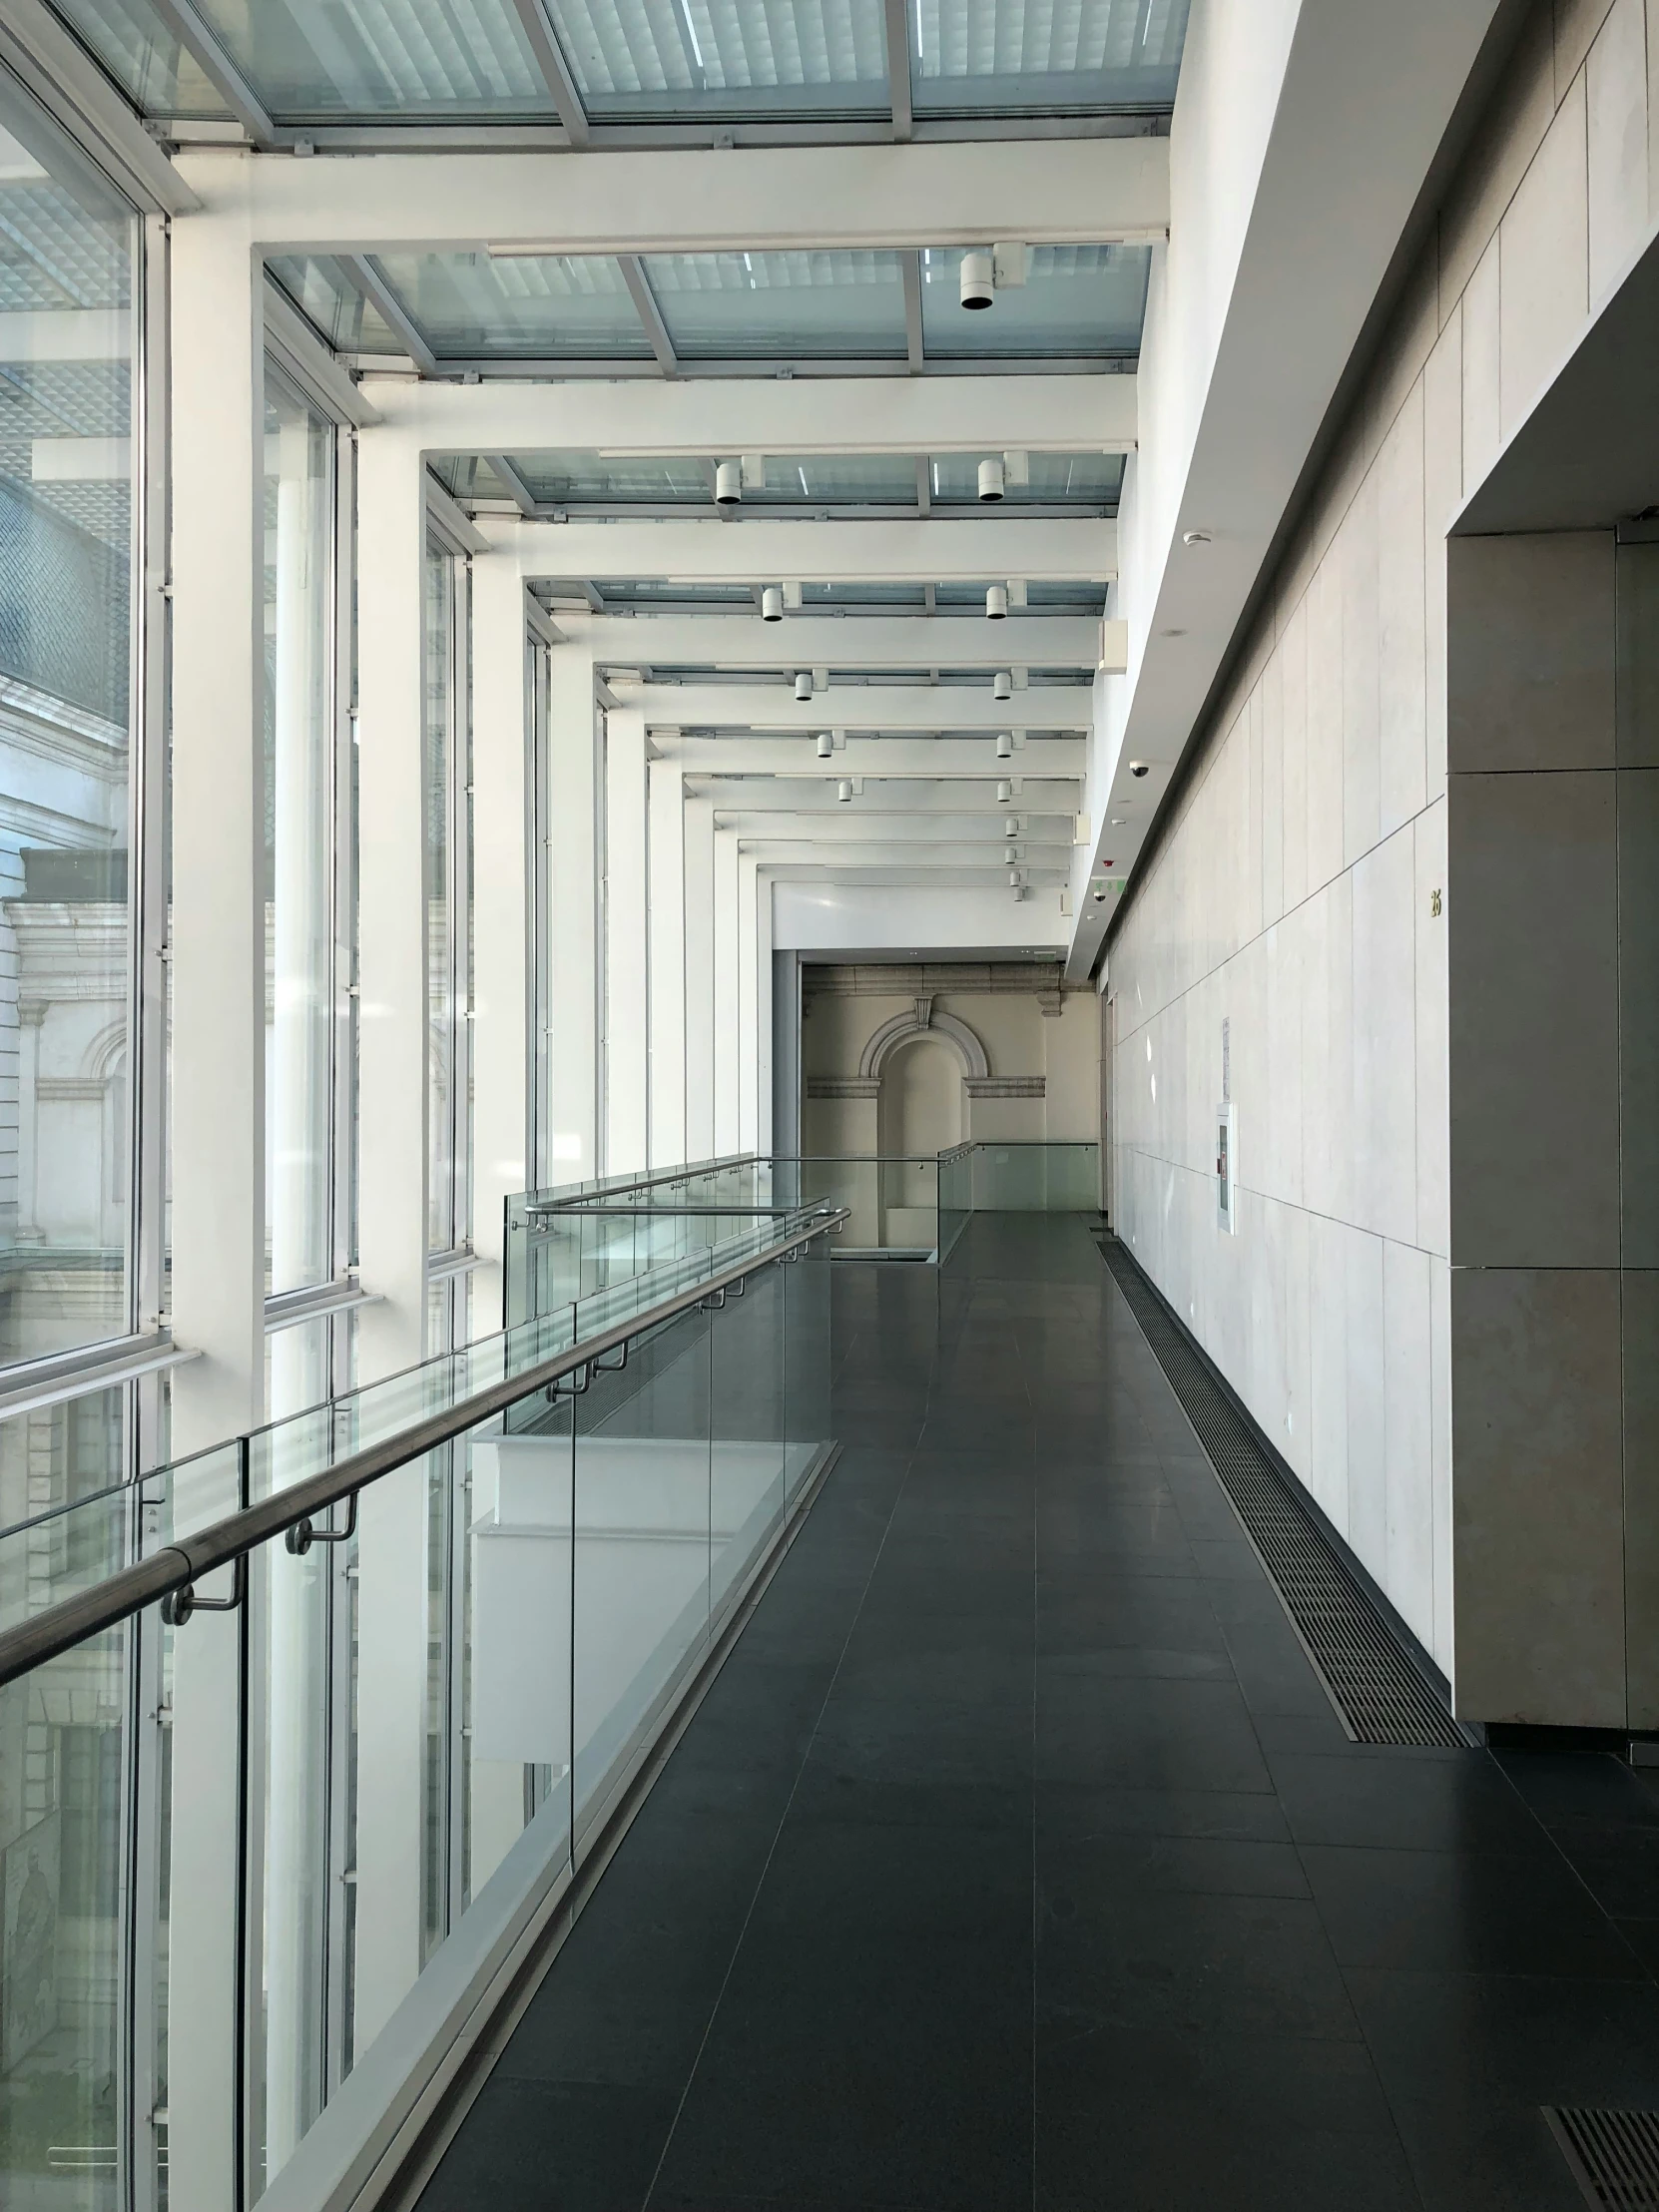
174	1568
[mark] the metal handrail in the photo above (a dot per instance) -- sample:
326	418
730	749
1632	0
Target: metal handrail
174	1568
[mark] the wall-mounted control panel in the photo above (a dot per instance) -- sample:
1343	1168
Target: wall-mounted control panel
1227	1168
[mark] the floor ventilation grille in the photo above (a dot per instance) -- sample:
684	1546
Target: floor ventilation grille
1614	2156
1381	1695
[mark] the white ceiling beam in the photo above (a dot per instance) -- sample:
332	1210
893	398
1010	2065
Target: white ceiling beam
1045	192
743	640
858	706
1062	549
781	416
1061	759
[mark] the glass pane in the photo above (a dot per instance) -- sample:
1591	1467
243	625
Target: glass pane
827	305
1075	301
527	305
973	55
429	58
298	836
439	740
323	291
641	1585
725	57
158	74
66	344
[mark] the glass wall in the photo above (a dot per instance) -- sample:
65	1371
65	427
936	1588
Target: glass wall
68	323
448	777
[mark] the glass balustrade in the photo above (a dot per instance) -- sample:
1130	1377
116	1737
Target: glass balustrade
346	1794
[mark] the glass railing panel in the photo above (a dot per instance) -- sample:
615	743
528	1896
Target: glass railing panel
641	1575
746	1495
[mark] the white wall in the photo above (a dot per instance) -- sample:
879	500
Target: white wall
1294	896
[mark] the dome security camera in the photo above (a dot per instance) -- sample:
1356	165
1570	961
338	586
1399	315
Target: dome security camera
979	280
1140	768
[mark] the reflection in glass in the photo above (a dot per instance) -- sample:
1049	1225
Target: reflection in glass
298	837
65	519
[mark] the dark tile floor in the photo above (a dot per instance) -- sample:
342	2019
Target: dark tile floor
1017	1858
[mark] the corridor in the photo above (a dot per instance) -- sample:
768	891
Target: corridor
1016	1857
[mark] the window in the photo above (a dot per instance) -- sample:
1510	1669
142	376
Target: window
67	329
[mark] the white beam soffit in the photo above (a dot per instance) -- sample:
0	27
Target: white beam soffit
855	640
1060	549
1074	192
853	707
969	413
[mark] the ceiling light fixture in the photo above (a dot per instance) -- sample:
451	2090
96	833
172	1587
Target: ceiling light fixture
727	484
1002	685
1004	744
990	489
772	603
803	685
979	280
996	595
825	745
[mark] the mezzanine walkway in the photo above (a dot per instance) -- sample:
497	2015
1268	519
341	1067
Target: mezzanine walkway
1017	1858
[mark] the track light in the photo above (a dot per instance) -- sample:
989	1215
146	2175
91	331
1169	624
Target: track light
1002	684
990	487
772	605
825	745
1004	791
803	685
996	596
979	280
727	484
843	790
1004	742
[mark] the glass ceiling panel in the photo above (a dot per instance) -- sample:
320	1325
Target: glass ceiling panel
1092	479
323	291
827	305
427	58
1076	299
717	58
528	306
974	55
142	57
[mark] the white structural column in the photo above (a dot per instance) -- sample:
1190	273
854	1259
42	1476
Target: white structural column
700	980
573	899
216	1108
627	948
501	920
666	921
749	1009
728	1077
392	1204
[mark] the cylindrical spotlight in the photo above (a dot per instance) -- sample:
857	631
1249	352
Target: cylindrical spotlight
803	685
996	595
979	280
1004	744
990	487
843	790
772	605
1004	791
727	484
825	745
1002	684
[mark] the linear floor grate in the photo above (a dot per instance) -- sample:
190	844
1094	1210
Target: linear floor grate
1614	2156
1381	1694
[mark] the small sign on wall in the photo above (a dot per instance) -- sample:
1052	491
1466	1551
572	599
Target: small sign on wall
1226	1166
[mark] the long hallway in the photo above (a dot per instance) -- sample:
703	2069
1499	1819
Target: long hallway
1017	1858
